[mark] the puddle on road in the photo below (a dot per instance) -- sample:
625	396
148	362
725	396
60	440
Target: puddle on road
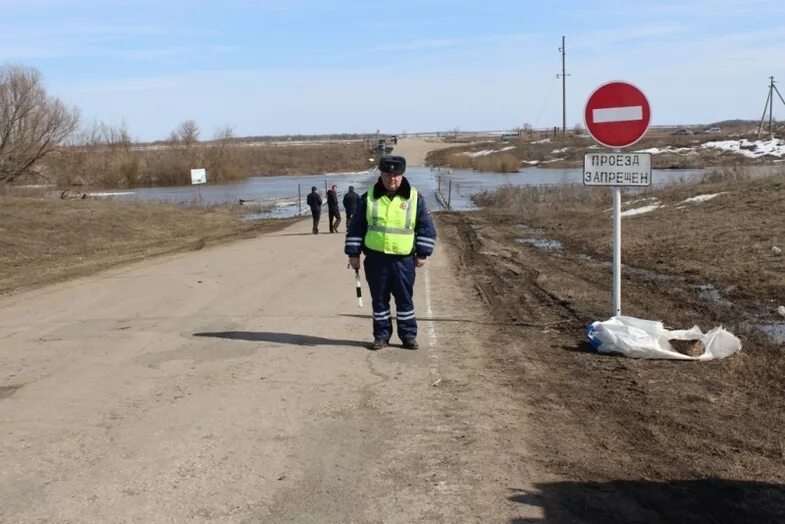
542	243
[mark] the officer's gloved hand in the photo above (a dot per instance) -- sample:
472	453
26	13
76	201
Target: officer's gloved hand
354	262
419	262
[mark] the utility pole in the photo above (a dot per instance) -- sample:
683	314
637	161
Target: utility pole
769	106
563	77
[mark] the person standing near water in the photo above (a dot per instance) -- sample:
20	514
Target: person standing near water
314	201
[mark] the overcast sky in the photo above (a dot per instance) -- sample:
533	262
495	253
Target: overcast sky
305	66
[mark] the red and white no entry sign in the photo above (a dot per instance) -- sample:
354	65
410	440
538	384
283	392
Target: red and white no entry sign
617	114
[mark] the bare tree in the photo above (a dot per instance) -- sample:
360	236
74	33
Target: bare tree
221	157
116	137
224	134
188	133
32	124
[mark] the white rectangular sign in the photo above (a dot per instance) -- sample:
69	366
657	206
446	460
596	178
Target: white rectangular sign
198	176
617	169
618	114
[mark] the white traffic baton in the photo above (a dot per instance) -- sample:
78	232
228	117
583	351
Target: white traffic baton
358	288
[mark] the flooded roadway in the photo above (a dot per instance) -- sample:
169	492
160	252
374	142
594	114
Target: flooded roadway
284	196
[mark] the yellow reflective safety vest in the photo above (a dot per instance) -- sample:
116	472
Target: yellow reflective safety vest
391	223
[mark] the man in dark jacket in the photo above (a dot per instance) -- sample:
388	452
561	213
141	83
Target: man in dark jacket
333	209
394	230
314	201
351	201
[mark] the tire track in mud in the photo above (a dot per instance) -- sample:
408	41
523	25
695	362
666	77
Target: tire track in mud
504	284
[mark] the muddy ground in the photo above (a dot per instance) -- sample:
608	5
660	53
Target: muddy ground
628	440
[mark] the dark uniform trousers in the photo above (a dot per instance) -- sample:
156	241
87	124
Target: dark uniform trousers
391	274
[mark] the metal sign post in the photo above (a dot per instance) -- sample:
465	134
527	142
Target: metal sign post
198	177
617	115
616	251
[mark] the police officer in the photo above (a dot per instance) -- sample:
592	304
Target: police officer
394	230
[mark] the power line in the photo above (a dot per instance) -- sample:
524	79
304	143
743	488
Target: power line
545	101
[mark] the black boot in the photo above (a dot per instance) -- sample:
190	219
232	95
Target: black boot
378	343
410	343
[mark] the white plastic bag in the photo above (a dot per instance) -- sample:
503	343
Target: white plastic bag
638	338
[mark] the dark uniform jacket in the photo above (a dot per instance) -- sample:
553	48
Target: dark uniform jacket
314	200
423	225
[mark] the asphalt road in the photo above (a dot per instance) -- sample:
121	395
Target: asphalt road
415	149
232	384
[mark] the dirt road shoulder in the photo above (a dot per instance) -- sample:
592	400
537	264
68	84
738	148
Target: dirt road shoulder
619	440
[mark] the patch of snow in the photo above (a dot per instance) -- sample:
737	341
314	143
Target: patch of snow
543	141
668	149
485	152
530	162
749	148
640	210
562	150
701	198
641	200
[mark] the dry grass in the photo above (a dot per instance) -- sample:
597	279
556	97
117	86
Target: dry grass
725	242
124	166
46	240
551	197
500	162
738	227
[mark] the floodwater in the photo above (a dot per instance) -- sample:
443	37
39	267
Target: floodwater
278	196
542	243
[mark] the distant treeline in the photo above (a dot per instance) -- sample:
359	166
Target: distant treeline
41	139
283	138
